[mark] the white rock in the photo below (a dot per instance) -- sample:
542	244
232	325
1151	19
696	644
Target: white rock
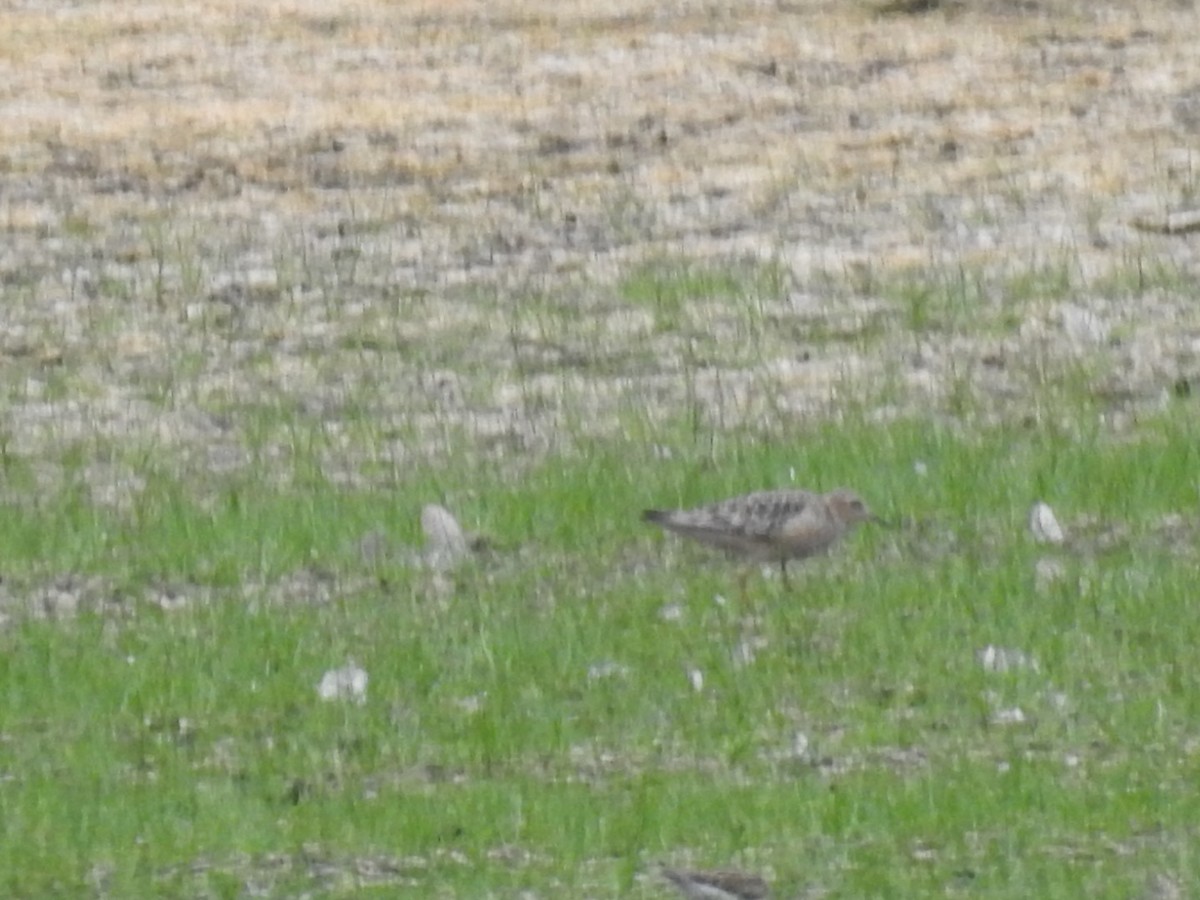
1003	659
800	745
746	650
672	612
445	542
1044	525
347	683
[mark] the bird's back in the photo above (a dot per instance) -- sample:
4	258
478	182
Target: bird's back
718	885
766	524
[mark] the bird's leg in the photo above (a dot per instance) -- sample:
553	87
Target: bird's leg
783	574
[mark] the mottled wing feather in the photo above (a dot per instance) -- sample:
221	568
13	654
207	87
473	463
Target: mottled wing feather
795	506
751	524
760	516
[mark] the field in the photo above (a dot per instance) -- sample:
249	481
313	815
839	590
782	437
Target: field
272	281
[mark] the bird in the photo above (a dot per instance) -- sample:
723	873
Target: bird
717	884
770	526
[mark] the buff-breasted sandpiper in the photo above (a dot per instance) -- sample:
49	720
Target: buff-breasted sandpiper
721	884
770	526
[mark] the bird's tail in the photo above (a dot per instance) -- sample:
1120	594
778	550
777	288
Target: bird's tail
657	516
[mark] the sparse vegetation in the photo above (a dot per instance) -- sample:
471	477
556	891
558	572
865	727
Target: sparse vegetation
554	268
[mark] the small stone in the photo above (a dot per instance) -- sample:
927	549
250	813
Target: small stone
1044	525
800	745
746	650
606	669
672	612
471	704
347	683
1002	659
445	542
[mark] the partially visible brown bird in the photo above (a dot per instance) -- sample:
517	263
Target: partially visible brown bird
770	526
717	884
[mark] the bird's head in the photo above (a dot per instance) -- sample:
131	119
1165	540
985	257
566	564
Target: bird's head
850	508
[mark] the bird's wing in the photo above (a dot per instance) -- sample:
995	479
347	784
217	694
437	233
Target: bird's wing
718	884
761	516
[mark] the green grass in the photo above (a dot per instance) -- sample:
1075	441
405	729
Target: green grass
185	752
